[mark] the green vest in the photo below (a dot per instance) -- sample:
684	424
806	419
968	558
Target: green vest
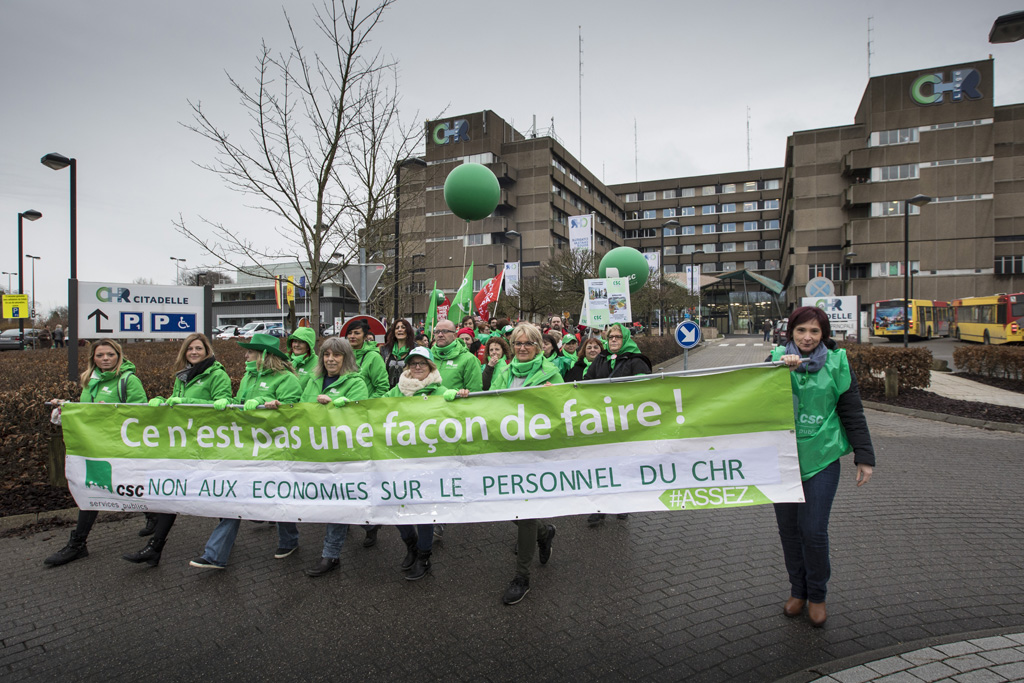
820	437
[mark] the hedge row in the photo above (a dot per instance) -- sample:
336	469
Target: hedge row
991	361
869	363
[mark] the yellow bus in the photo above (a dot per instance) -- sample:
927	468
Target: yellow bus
996	319
928	319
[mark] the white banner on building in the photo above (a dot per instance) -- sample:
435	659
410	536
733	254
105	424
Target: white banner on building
581	232
842	312
693	278
653	261
511	278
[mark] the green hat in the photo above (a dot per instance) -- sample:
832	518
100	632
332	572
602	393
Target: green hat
265	343
569	338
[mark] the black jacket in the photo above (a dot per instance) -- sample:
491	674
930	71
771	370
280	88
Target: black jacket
576	372
626	365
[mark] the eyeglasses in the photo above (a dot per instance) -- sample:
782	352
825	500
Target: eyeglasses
523	345
419	365
614	336
444	331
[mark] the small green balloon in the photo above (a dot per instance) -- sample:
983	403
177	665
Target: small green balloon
439	296
471	191
630	264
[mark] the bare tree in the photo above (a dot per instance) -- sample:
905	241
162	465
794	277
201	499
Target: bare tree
199	277
557	286
308	109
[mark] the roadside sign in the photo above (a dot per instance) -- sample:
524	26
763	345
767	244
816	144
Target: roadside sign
131	311
687	334
820	286
15	305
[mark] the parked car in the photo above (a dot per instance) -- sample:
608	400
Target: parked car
226	332
259	327
779	336
10	340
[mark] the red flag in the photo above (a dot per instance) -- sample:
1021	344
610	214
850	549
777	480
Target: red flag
488	295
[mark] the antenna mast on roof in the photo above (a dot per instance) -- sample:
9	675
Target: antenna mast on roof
869	46
636	154
581	95
748	137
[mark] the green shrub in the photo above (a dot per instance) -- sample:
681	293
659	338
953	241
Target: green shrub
869	363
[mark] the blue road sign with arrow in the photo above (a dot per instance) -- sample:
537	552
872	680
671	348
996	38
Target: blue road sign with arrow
688	334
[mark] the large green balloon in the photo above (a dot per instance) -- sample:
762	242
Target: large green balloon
630	263
471	191
439	297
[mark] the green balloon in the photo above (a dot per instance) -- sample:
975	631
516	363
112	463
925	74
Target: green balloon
471	191
439	297
630	264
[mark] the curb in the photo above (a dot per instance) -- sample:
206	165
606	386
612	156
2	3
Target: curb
835	666
942	417
16	521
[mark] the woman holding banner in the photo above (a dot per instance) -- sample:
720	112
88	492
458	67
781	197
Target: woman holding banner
420	378
398	342
622	358
109	377
198	378
336	382
269	380
824	388
499	355
529	368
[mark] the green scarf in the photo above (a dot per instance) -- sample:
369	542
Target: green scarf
628	345
252	368
400	352
449	352
520	369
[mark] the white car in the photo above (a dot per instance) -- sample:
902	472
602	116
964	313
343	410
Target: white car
260	327
226	332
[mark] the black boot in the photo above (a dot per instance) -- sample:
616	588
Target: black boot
72	551
421	567
150	554
410	553
150	525
371	536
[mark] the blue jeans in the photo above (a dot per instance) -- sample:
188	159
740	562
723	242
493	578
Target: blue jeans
334	539
803	529
424	534
222	540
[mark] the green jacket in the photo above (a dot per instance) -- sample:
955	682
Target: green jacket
265	386
205	387
305	365
372	368
428	390
105	387
459	368
562	362
350	386
547	372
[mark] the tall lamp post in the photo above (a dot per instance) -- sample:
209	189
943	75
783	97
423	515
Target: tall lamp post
57	162
695	279
519	236
918	200
177	269
671	223
31	215
9	280
33	309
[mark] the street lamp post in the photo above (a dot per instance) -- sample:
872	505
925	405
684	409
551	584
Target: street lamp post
672	222
917	200
31	215
57	162
177	269
33	307
9	280
519	236
695	279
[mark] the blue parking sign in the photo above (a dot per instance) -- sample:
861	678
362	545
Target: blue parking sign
184	323
131	321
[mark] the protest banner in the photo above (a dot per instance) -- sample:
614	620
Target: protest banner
659	443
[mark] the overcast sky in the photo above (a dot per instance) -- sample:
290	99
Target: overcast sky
108	82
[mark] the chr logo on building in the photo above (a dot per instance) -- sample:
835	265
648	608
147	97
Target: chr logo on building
456	131
964	83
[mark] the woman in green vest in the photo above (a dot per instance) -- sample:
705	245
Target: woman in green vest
830	423
302	344
198	379
420	378
269	379
529	368
109	377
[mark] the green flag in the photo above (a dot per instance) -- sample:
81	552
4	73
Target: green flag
431	320
462	304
